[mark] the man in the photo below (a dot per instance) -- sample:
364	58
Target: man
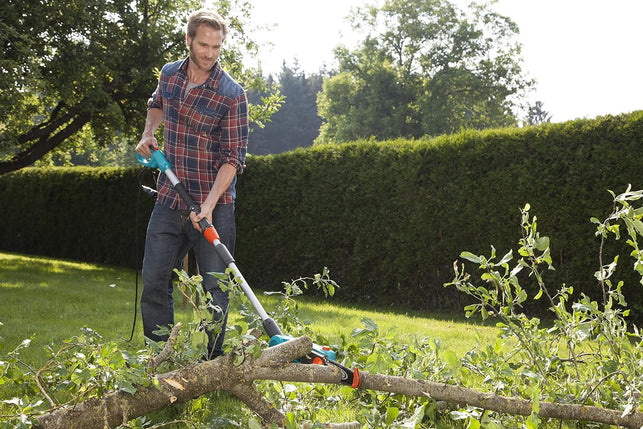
205	117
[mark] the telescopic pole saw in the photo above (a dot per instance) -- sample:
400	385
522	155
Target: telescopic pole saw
319	355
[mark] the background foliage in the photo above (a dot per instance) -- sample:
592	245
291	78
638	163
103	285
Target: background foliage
75	77
297	123
387	218
76	72
425	68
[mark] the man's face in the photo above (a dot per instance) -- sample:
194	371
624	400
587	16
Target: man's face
205	47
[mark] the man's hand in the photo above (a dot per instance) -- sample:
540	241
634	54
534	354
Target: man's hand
143	148
206	212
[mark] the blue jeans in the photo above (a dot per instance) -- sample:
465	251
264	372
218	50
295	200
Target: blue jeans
170	236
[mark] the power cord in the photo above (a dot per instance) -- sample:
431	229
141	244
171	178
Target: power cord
152	193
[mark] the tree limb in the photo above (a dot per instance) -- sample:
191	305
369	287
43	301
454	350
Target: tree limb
275	363
497	403
182	385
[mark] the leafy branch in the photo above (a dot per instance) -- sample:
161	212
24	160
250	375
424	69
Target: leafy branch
589	355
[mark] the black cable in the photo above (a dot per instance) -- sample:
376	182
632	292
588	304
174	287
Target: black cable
147	190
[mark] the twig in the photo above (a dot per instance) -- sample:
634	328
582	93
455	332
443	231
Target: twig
167	349
348	425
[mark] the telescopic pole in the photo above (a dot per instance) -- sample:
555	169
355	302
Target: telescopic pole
319	355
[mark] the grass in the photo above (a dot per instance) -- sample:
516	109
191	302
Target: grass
334	319
49	301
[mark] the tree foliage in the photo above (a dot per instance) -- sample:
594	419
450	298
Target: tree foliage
537	114
297	123
75	71
426	67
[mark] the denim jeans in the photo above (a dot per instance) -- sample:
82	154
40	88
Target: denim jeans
170	236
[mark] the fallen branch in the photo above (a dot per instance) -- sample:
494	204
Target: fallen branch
275	363
188	383
501	404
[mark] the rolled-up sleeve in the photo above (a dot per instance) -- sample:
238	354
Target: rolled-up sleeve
234	134
155	101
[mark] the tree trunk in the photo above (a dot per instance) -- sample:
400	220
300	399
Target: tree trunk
275	363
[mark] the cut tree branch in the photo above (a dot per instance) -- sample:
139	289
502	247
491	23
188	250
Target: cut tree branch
275	363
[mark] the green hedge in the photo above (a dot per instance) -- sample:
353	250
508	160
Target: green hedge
88	214
388	219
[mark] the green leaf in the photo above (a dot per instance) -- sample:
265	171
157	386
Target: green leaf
638	226
473	423
239	358
539	294
533	421
508	257
542	243
370	324
470	257
127	387
416	419
290	421
451	359
391	414
254	424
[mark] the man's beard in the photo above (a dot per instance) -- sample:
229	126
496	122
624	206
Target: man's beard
197	62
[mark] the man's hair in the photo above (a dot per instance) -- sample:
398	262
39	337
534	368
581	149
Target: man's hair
209	18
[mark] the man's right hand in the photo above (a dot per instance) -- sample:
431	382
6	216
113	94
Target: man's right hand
143	148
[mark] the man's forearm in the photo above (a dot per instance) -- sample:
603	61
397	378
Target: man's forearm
152	121
225	176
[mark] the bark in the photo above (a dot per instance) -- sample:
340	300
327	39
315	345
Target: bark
187	383
275	363
501	404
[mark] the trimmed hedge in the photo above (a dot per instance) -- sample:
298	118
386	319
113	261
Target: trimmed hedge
388	219
80	213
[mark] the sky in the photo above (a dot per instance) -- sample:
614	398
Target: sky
585	55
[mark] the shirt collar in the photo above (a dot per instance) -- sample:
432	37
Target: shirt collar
215	74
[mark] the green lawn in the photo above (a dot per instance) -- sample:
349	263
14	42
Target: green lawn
49	300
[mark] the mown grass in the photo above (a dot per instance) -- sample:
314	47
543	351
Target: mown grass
48	301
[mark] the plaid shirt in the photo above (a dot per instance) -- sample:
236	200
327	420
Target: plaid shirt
203	129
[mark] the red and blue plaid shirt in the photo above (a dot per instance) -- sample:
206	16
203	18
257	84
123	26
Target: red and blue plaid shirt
204	128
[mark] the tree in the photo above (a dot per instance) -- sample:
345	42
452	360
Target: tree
75	71
424	68
537	115
297	123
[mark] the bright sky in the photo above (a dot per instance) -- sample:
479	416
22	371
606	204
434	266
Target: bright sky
585	55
